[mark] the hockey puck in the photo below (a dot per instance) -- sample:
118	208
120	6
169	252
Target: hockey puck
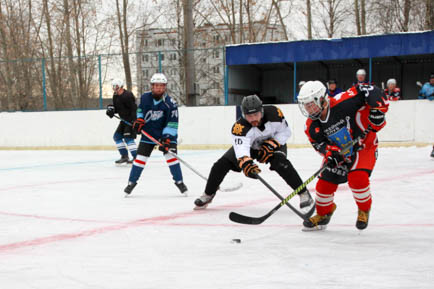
236	240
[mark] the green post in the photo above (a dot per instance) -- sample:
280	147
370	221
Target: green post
295	82
225	77
44	88
100	81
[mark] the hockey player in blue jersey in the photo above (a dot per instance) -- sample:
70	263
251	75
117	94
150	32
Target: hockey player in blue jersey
157	115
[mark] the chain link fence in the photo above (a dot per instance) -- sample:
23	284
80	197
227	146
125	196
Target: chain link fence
85	82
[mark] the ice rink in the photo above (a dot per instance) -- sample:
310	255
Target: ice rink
66	224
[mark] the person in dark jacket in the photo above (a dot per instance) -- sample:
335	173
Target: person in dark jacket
124	104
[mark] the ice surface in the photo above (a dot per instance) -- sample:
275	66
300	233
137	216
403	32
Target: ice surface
66	224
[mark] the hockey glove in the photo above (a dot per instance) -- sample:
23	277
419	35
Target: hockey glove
333	156
267	150
377	119
138	125
110	111
249	168
165	141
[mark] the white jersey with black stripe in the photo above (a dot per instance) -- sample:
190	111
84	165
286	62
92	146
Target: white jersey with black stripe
273	125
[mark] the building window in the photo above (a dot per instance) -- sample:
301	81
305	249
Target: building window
162	57
145	43
145	73
160	42
216	38
215	54
216	69
172	56
145	58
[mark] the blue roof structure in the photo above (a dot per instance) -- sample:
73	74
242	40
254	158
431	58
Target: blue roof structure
332	49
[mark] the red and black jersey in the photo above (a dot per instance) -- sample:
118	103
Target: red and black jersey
394	94
347	117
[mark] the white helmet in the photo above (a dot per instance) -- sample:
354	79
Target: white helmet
158	78
311	99
391	81
361	72
117	83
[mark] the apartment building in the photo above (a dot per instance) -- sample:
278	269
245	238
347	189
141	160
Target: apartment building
161	50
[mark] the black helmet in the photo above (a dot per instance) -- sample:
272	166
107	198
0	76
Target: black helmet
251	104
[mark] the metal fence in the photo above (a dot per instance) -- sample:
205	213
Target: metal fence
85	82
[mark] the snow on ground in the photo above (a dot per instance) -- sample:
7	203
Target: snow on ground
66	224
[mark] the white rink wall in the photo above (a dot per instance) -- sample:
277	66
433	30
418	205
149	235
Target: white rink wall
409	121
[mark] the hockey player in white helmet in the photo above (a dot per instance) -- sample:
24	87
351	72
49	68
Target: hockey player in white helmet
260	134
361	77
392	92
157	115
124	104
331	126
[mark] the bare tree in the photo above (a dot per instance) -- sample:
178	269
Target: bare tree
357	14
124	39
309	19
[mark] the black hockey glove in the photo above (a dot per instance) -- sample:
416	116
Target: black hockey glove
333	156
377	119
138	125
165	141
110	111
267	150
249	168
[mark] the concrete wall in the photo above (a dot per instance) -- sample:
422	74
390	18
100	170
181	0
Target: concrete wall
408	121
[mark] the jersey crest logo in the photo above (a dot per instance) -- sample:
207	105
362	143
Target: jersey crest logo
238	129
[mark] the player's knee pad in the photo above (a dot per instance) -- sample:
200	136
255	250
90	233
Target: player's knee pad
222	165
117	137
358	179
279	162
325	188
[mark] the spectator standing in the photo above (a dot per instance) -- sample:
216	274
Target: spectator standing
392	92
332	89
427	91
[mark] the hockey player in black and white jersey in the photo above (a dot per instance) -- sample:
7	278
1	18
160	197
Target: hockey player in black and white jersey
260	134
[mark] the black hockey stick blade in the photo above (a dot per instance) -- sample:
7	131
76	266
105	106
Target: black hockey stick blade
247	220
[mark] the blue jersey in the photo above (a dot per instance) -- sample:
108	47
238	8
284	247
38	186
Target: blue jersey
161	117
427	91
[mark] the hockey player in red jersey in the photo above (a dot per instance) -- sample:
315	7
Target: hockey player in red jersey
331	126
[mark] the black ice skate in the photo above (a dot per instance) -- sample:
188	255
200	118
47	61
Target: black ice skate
318	222
182	187
128	189
432	153
203	201
305	199
122	160
362	220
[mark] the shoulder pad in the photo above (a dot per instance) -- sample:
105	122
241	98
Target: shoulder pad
273	113
241	127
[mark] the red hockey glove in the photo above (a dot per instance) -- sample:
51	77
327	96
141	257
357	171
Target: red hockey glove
377	119
333	156
110	111
165	144
249	168
267	150
138	125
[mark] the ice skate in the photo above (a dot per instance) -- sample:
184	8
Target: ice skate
128	189
122	160
318	222
432	153
182	188
362	220
203	201
305	199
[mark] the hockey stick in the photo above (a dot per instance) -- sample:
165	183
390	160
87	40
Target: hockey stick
238	218
236	187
